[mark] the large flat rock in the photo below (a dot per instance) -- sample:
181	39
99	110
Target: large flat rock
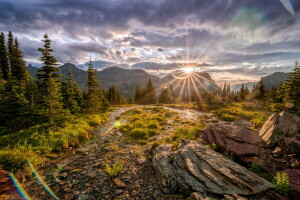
196	168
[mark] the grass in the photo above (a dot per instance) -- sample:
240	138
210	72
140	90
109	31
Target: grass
249	111
114	169
38	142
143	123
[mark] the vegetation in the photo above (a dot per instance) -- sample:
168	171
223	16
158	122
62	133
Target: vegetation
282	183
114	169
44	115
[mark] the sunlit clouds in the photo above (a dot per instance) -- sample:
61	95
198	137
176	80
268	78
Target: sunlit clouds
219	36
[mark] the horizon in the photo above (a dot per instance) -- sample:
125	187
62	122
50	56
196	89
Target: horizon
233	41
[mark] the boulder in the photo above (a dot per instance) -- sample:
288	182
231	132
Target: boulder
280	126
243	143
196	168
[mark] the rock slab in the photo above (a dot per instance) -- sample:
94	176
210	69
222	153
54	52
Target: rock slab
196	168
240	141
280	126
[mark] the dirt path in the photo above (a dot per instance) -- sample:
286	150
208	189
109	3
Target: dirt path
81	175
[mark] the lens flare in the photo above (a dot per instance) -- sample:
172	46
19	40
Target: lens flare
19	187
39	178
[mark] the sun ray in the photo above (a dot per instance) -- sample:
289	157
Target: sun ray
198	95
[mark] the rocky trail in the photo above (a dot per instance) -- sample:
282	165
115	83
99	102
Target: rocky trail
216	165
81	175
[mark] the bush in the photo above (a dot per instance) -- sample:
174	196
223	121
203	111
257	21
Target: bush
212	146
189	133
227	117
125	128
15	159
153	125
152	132
282	183
139	133
139	124
113	170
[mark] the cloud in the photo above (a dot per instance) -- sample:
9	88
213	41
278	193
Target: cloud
217	33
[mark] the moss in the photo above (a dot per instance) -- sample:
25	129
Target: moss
139	133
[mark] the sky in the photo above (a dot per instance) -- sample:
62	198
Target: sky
233	40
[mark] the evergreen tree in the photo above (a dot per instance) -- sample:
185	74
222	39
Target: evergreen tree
19	70
150	96
261	90
224	90
11	50
50	97
242	93
138	94
290	90
4	62
95	101
72	97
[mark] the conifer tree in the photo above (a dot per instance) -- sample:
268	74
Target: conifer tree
11	49
290	90
242	92
72	97
50	97
261	90
138	93
95	101
150	96
4	62
19	70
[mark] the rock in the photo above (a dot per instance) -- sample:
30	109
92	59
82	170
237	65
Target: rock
119	183
280	126
196	168
240	141
294	177
197	196
290	145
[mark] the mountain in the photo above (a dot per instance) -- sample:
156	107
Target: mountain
275	79
125	79
272	80
32	70
202	81
154	66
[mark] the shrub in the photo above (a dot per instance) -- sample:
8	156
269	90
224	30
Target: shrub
282	183
139	133
227	117
153	125
113	170
125	128
143	142
189	133
152	132
229	155
15	159
139	124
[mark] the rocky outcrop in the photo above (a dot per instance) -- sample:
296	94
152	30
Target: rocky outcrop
243	143
280	126
196	168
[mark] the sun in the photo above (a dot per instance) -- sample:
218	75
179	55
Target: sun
188	70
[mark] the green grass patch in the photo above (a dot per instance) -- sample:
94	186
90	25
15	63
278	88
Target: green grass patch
39	141
139	133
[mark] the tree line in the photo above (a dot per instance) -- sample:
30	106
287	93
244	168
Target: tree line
25	101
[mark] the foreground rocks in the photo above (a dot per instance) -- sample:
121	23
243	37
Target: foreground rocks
278	126
196	168
243	143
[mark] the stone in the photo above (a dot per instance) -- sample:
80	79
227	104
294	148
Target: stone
243	143
119	183
280	126
196	168
197	196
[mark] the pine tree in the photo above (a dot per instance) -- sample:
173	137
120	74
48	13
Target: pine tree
261	90
4	62
11	49
150	95
50	97
242	93
19	70
72	97
95	101
224	90
290	90
137	96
